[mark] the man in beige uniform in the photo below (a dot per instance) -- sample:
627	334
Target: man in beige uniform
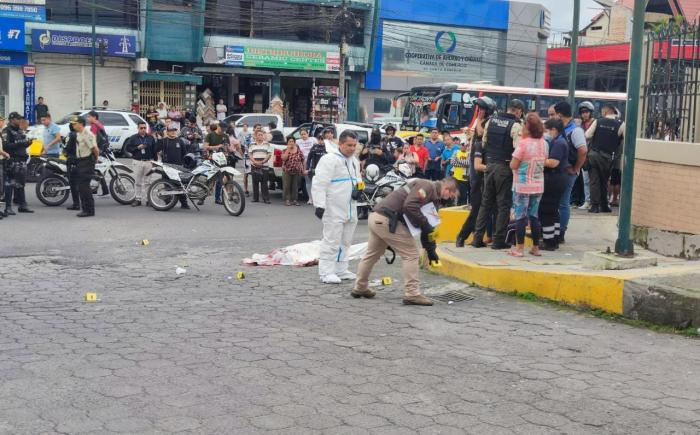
387	228
87	152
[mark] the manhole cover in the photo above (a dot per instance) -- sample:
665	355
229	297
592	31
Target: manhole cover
453	296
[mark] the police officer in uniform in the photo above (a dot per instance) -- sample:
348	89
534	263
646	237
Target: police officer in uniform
172	150
87	153
387	228
72	164
606	135
15	143
500	135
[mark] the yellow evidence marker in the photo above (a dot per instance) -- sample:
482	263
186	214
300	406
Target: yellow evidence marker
90	297
145	242
387	280
240	275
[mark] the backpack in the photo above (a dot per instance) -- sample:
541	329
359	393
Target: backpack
102	140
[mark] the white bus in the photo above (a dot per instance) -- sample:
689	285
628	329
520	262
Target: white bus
450	106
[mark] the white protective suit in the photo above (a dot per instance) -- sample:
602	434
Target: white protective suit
334	180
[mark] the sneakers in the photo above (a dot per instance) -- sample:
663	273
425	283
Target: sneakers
585	206
417	300
346	276
369	294
331	279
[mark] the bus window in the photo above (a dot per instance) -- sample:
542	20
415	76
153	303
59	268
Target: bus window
543	104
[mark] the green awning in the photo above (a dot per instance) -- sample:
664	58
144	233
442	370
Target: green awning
156	76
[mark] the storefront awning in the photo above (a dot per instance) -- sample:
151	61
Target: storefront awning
167	77
232	70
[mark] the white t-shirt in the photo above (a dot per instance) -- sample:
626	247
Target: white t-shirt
221	112
162	113
305	145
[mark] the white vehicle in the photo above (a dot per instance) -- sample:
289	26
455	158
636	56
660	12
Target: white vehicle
251	119
119	126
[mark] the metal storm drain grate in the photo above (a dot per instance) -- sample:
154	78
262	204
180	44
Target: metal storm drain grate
453	296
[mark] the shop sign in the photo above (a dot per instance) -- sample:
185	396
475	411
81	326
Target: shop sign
23	12
281	58
415	54
11	34
29	93
26	2
53	41
12	58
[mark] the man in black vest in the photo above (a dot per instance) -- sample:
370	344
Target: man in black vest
15	143
605	135
172	150
500	135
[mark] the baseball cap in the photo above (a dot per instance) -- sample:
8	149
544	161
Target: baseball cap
15	115
76	119
172	127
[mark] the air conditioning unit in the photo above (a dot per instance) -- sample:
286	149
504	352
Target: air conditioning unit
141	65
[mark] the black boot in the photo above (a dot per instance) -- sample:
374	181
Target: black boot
24	209
460	242
8	209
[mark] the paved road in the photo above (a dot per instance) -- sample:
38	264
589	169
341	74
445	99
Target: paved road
279	353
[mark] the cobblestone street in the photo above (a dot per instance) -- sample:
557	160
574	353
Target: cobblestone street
278	353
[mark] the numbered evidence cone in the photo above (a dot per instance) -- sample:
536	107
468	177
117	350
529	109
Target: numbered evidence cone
387	280
145	242
90	297
240	275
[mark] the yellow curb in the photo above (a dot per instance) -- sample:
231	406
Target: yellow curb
451	221
586	289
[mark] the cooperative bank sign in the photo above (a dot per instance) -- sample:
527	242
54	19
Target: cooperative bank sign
281	58
53	41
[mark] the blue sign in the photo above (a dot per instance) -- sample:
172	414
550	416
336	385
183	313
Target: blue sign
55	41
23	12
13	58
11	34
29	98
234	55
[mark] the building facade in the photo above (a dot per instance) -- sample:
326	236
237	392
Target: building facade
245	52
419	43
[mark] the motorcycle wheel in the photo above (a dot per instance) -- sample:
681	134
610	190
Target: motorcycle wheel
234	200
158	201
123	189
47	193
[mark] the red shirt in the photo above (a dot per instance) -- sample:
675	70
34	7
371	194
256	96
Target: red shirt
97	126
423	155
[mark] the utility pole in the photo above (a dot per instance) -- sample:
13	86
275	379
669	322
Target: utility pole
574	55
624	245
342	22
94	67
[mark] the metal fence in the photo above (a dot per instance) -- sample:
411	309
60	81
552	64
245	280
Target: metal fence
671	90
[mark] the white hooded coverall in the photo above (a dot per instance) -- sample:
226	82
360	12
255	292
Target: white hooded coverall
335	178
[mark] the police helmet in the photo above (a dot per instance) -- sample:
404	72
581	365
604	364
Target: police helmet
372	172
487	104
586	105
189	161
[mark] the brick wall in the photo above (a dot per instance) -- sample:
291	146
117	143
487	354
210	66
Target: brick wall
666	196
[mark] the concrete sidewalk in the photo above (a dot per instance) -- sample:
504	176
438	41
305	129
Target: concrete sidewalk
668	293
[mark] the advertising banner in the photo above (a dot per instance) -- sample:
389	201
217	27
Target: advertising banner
11	34
54	41
29	98
281	58
418	54
23	12
12	58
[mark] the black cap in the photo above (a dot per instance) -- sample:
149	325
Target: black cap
15	115
390	127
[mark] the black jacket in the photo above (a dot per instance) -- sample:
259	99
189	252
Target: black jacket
173	150
317	151
70	150
15	142
148	153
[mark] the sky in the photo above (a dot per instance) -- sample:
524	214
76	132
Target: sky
562	12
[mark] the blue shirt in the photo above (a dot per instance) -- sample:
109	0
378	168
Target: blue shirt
559	150
435	150
447	157
49	135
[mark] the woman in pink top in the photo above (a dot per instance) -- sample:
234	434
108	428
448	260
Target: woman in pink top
528	184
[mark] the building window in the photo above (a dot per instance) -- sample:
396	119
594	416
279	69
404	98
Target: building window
110	13
275	19
382	105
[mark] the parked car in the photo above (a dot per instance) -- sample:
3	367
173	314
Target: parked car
119	125
251	119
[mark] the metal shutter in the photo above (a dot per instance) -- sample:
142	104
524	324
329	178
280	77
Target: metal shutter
60	85
113	85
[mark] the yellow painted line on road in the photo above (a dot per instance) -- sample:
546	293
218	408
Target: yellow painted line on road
583	289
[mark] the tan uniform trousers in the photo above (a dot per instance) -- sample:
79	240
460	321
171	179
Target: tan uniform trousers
401	241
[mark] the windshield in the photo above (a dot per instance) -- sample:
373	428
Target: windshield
419	112
232	118
65	119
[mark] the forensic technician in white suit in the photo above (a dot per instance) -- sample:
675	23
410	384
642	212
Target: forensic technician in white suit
336	181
